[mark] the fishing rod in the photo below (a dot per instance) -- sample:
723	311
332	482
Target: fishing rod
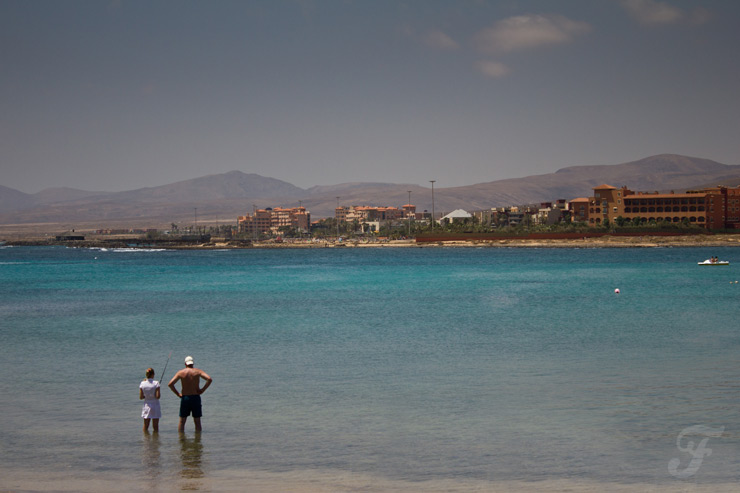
161	377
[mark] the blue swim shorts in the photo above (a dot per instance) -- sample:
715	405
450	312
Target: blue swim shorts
190	404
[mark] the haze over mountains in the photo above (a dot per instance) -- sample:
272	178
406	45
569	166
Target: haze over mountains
225	196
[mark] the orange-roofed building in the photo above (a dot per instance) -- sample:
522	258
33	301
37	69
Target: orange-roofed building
270	220
711	208
364	213
579	209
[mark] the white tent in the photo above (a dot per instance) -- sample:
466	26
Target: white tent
456	214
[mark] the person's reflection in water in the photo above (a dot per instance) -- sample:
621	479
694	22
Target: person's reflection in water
150	456
191	455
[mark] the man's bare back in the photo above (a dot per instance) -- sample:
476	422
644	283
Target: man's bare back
190	381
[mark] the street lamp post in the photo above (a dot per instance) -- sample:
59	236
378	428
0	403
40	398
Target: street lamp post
336	216
254	222
408	212
432	182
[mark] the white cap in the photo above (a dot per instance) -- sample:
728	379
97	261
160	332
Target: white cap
189	360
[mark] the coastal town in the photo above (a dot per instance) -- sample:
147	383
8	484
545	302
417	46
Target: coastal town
709	209
609	217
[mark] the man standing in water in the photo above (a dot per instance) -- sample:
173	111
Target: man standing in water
190	395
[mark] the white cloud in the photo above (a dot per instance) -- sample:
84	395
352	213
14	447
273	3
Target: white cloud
440	40
529	31
492	69
652	12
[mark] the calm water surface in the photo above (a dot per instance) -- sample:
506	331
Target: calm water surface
414	364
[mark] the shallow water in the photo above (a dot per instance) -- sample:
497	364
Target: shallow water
461	365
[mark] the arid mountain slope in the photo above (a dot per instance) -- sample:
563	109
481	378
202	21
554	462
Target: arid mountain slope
223	197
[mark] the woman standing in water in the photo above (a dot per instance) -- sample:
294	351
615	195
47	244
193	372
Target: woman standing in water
149	393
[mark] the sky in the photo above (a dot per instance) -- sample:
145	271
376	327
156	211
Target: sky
119	95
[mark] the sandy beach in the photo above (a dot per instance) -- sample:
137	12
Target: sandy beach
720	240
647	241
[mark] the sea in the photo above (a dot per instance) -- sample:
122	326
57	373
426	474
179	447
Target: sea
372	369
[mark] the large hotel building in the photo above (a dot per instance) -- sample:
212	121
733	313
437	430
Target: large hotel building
711	208
270	220
369	213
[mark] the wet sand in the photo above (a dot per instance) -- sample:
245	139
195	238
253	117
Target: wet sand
310	481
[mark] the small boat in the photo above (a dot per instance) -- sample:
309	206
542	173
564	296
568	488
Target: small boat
716	262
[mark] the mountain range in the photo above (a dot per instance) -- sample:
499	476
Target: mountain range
223	197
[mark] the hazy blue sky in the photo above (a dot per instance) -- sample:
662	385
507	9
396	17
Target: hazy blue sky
117	95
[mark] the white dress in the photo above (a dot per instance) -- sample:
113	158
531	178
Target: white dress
151	408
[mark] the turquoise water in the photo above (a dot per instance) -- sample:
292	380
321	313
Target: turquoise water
415	364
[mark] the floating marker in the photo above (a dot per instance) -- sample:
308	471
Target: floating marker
616	291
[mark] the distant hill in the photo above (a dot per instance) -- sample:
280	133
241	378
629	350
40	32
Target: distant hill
13	200
62	194
231	185
214	193
225	196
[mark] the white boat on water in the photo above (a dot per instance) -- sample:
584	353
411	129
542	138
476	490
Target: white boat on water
716	262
